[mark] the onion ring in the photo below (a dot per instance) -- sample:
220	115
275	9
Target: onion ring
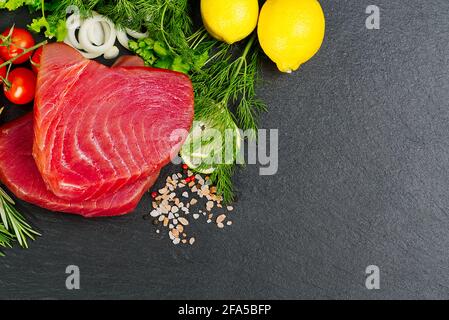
109	37
136	35
112	53
73	23
123	39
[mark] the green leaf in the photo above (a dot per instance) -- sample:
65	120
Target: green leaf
200	61
61	30
164	63
160	49
57	30
12	5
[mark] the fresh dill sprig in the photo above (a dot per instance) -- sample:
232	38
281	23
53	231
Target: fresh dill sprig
13	226
227	84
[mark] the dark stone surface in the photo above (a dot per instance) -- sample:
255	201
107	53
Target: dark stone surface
363	179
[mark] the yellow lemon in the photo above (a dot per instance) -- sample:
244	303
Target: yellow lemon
291	31
230	20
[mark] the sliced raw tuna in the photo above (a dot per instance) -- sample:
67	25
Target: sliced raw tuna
98	128
19	173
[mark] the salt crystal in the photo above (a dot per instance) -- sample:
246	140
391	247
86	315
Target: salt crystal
184	221
209	205
163	191
155	213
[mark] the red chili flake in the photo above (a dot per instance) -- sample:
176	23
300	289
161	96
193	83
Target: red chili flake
188	179
154	194
185	167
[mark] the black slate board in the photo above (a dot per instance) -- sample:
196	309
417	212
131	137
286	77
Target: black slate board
363	179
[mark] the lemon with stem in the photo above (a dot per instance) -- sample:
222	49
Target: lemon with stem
291	31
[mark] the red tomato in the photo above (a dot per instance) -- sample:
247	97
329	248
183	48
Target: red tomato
2	72
20	39
36	60
22	86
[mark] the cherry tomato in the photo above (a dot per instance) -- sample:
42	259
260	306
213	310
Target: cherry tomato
36	60
21	86
2	72
20	39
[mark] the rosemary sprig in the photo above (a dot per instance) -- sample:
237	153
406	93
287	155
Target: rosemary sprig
6	239
13	226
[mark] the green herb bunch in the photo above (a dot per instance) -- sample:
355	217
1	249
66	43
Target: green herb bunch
223	77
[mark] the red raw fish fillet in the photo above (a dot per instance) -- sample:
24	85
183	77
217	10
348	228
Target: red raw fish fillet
19	173
98	129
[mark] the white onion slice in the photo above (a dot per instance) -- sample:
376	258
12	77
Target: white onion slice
83	53
135	34
123	39
110	36
73	23
112	53
96	34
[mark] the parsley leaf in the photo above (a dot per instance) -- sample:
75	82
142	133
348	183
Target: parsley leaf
56	30
16	4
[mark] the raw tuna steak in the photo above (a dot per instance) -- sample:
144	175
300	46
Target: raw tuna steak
98	129
19	173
